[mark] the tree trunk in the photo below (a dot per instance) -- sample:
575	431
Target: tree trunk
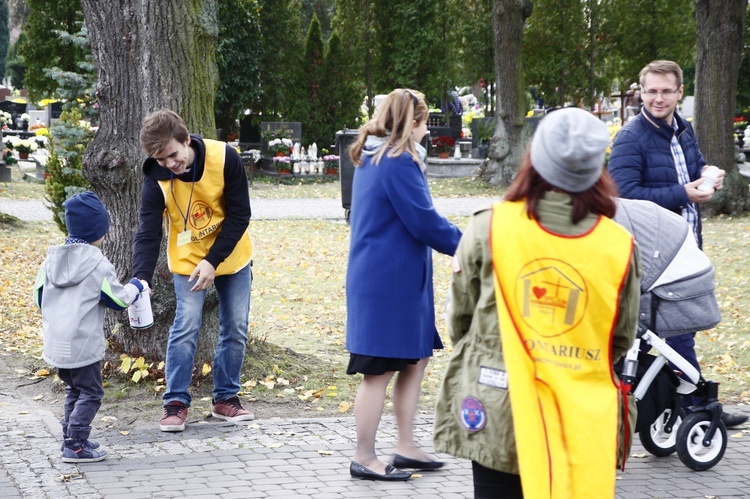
150	55
510	137
720	32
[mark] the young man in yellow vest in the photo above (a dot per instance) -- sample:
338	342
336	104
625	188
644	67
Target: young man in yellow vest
199	187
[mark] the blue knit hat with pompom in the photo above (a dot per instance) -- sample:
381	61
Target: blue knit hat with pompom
86	217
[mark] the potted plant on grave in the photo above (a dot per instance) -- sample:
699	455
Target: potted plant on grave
280	146
25	147
25	121
282	164
485	131
443	145
331	164
8	157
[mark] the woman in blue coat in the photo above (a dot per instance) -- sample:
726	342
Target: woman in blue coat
389	297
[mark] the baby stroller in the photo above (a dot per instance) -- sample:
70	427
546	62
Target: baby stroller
677	297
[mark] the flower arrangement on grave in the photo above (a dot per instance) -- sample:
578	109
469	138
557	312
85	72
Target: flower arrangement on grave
25	146
41	141
280	146
331	163
253	153
8	157
740	122
5	119
25	117
39	129
443	144
282	163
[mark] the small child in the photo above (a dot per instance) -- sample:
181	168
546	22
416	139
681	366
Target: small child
73	287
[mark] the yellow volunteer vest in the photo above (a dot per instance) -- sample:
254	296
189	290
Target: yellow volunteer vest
557	299
205	216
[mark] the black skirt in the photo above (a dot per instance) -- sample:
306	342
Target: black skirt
367	364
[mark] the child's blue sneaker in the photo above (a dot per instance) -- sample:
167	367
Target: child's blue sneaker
78	451
90	443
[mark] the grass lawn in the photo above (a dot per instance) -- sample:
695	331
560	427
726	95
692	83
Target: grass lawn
298	358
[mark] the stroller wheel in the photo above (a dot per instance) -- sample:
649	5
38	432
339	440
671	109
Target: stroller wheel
690	448
656	440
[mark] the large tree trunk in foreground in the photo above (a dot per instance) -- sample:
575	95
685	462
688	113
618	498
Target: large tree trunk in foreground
509	140
720	34
150	55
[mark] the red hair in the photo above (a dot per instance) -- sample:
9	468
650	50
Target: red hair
529	185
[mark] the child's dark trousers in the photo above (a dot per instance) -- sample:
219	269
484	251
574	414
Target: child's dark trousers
84	397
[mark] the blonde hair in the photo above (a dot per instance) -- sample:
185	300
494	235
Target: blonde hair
394	120
662	68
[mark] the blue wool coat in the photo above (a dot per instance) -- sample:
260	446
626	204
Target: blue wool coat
389	294
642	165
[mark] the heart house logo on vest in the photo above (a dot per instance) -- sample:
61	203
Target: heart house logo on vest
551	296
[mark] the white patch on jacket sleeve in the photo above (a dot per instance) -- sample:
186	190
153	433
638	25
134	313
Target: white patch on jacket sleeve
493	377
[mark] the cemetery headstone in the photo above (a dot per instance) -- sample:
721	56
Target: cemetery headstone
249	132
15	109
54	110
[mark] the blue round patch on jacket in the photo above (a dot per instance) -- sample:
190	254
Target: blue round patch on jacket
473	416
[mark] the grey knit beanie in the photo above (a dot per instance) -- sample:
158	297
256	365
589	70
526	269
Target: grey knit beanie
568	149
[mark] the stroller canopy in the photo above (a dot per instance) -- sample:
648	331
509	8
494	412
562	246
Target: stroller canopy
677	286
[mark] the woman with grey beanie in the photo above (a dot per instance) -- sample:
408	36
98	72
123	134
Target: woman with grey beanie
544	299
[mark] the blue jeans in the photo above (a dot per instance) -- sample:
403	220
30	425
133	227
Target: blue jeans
684	344
234	311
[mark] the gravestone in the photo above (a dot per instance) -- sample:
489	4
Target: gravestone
289	129
456	125
5	172
54	110
533	122
38	117
249	132
15	109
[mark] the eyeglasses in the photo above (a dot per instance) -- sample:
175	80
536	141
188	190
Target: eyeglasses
664	93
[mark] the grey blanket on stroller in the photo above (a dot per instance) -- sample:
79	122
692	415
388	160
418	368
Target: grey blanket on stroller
677	287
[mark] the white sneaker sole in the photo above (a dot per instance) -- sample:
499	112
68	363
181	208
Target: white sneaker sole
180	427
236	419
84	460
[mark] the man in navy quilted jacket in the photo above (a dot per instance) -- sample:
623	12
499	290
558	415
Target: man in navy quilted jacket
656	157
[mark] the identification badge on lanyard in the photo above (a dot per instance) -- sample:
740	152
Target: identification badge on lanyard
183	238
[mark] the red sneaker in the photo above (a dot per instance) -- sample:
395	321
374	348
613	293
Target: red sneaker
231	410
175	414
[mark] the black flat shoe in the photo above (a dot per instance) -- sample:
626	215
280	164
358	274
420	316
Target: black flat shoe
400	461
732	420
391	474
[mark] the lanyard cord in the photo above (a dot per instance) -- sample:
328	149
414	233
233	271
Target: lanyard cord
190	199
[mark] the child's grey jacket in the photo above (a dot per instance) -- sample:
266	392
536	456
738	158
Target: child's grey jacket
73	287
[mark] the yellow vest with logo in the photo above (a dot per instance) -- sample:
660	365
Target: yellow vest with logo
557	299
205	216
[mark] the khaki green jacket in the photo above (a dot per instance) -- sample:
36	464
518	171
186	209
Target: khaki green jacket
474	332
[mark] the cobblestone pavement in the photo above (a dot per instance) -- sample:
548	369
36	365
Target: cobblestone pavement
301	458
